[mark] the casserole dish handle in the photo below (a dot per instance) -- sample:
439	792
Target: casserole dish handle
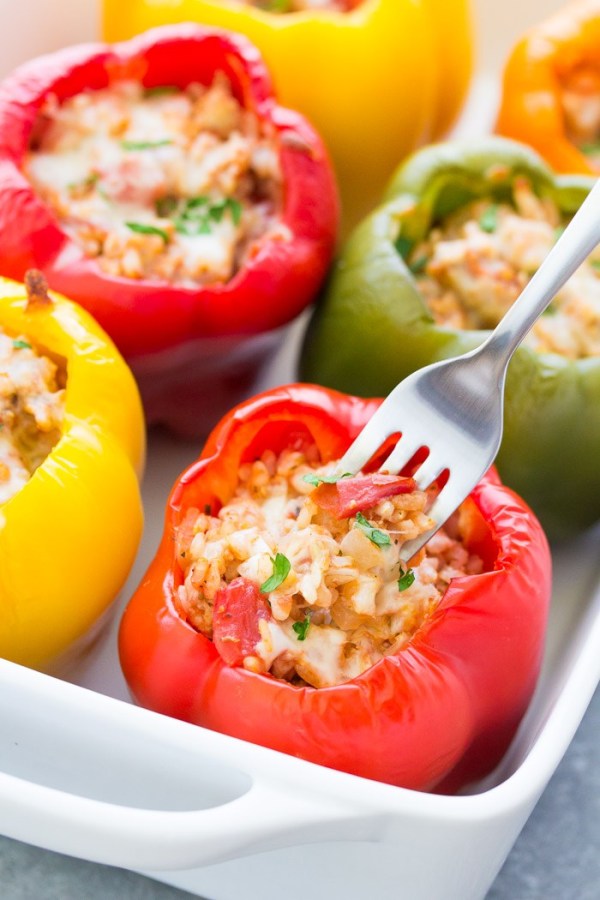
93	777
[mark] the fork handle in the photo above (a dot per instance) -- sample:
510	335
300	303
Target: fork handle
578	240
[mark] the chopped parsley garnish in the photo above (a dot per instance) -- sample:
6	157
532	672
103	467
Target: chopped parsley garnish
417	266
595	264
488	221
316	480
558	231
406	579
301	628
197	215
142	228
550	311
145	145
276	6
85	184
160	90
592	149
21	345
377	537
281	570
403	246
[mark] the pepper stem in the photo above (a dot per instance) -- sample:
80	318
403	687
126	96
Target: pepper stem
37	289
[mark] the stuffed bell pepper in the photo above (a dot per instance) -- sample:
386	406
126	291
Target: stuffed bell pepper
276	609
71	450
158	183
433	269
551	89
377	78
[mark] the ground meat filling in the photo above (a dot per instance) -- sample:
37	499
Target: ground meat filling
31	412
476	262
159	184
289	6
580	97
344	601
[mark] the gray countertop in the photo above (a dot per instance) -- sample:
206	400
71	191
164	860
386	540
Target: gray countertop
557	856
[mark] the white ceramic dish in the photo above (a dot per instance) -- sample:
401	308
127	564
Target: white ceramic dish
85	773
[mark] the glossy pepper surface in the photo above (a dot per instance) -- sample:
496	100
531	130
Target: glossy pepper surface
531	108
69	537
376	82
373	328
438	713
193	349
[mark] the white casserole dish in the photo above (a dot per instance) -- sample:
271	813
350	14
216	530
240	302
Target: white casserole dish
85	773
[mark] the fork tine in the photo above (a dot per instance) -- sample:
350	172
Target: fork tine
367	443
428	471
442	509
402	453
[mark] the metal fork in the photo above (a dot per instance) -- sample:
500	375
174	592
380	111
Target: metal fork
455	407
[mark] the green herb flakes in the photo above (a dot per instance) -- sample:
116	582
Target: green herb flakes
377	537
406	579
404	246
142	228
281	570
316	480
488	221
21	345
301	628
591	149
145	145
195	216
161	90
418	265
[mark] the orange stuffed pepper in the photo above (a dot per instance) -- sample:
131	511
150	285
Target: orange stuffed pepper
551	90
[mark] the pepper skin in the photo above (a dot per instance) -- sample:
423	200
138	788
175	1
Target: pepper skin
372	300
438	713
375	82
531	109
193	350
69	537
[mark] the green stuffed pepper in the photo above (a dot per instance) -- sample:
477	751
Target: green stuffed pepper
430	272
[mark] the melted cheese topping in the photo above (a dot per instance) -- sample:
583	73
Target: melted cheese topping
31	412
475	264
159	184
342	587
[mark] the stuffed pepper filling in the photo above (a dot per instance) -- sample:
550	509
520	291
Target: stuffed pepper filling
475	263
289	6
31	411
580	96
299	575
159	184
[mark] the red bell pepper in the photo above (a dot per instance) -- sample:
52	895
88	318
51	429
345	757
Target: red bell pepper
194	350
438	713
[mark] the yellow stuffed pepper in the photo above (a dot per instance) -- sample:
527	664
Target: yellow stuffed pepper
71	448
377	78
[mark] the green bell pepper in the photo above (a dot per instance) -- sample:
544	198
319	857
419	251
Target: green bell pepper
372	327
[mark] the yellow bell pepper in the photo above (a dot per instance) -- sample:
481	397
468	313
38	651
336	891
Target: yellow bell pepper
69	537
376	82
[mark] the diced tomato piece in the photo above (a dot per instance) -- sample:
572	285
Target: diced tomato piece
351	495
238	609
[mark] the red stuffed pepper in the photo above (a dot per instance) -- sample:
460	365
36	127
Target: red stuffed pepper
158	183
276	609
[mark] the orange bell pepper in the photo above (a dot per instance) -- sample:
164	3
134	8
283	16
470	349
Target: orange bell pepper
559	57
